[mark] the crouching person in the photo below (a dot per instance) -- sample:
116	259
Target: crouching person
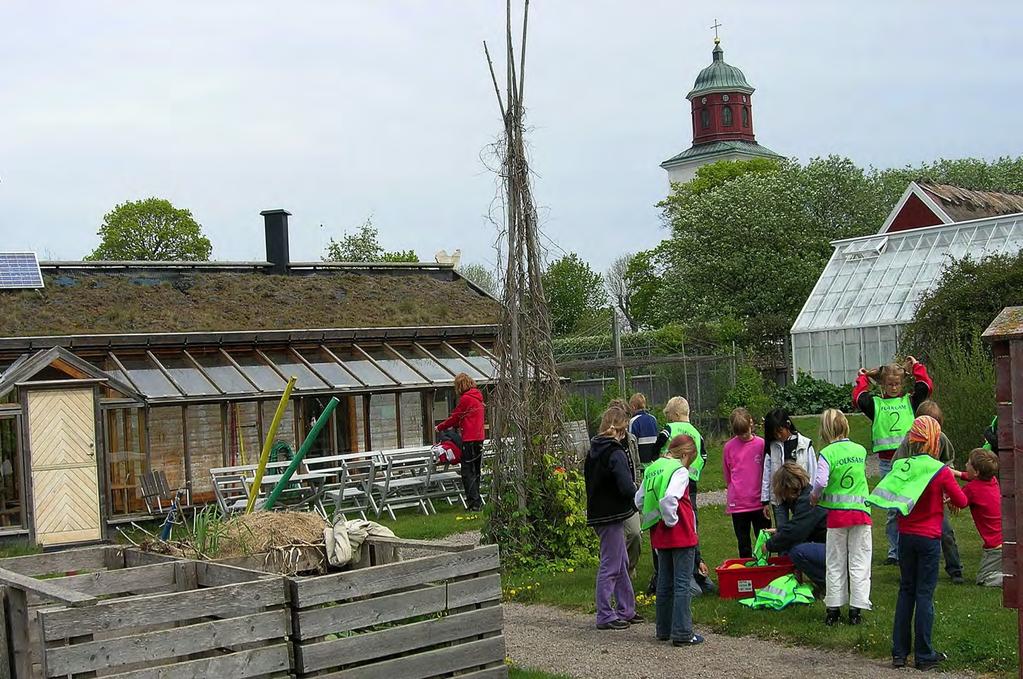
803	535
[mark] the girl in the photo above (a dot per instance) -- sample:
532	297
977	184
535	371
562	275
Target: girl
609	493
915	488
743	461
468	416
784	444
840	486
668	513
802	537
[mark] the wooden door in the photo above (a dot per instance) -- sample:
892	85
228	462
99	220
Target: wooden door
65	479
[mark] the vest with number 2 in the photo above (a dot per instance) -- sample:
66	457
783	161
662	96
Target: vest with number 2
847	477
677	428
893	418
905	483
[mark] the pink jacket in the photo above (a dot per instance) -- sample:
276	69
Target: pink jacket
744	470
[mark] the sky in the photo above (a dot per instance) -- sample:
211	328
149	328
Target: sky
342	111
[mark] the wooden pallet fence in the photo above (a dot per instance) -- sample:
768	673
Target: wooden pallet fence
435	616
104	611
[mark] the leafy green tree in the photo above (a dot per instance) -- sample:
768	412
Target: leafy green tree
713	175
151	230
482	276
574	292
364	246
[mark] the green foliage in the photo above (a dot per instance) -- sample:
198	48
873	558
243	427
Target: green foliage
482	276
964	386
966	298
574	292
551	532
151	230
811	396
711	176
749	392
207	529
364	246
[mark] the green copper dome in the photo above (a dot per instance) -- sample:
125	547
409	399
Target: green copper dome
719	76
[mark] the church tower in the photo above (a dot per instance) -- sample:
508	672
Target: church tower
722	117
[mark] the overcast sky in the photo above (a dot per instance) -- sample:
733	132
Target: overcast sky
337	111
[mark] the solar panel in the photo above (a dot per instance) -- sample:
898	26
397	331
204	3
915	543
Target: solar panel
19	270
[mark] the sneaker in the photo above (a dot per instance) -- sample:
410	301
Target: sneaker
663	638
957	579
832	617
692	641
614	624
855	617
931	664
636	620
898	663
891	561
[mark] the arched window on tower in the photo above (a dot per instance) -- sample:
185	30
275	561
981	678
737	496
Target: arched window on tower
726	116
704	118
745	116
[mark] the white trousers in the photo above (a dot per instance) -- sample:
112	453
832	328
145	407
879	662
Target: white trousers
847	565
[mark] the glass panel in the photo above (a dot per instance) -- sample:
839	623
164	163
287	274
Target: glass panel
312	408
186	375
361	368
244	439
395	368
258	371
224	374
126	460
11	489
383	422
411	419
454	363
483	364
147	376
291	366
205	447
328	367
167	444
425	365
443	404
286	429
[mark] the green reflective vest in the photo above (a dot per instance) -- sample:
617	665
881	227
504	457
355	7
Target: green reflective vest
994	428
655	483
902	486
779	593
847	479
893	418
676	428
760	554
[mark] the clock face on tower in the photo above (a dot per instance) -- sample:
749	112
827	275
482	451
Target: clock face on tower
724	97
704	100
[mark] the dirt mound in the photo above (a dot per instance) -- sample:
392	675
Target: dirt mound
262	531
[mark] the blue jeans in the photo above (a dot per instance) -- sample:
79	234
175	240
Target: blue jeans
919	559
810	557
674	616
891	526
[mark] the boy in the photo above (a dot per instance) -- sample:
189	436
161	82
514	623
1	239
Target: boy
985	498
643	426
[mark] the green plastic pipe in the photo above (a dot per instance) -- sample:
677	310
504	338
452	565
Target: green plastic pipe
264	456
307	445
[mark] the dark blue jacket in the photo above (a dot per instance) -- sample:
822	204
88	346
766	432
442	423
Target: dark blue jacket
644	427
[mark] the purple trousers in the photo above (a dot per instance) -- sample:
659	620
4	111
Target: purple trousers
613	576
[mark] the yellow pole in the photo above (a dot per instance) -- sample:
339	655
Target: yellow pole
264	455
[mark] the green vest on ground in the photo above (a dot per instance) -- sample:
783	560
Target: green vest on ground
905	483
847	476
893	418
655	483
779	593
994	427
676	428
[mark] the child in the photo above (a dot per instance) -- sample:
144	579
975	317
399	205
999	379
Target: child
803	535
448	449
915	488
985	500
783	444
892	415
743	461
643	426
609	493
668	513
842	476
633	533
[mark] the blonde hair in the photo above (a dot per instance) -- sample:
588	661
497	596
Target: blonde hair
683	449
638	401
741	421
621	404
891	370
834	426
677	409
614	422
789	481
463	383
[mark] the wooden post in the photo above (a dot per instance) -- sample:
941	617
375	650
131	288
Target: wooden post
5	649
616	334
16	612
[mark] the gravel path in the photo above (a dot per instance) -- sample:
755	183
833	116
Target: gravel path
553	640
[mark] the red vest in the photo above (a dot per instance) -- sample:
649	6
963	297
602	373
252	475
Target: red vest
682	534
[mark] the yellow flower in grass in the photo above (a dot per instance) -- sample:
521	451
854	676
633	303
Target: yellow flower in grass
571	570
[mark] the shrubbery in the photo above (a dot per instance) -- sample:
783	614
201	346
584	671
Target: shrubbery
811	396
964	386
749	392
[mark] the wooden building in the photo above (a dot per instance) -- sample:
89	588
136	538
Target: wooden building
116	369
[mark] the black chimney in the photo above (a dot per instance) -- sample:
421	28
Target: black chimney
275	224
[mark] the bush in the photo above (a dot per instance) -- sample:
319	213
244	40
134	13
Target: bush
964	386
810	396
749	392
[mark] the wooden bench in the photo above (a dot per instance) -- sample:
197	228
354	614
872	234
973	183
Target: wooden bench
405	480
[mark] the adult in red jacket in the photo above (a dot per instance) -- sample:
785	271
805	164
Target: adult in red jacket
468	416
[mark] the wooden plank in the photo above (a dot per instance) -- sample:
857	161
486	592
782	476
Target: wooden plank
495	672
216	574
393	607
136	557
46	588
362	647
430	664
86	558
5	649
119	581
344	586
169	643
252	663
229	600
185	578
16	612
433	545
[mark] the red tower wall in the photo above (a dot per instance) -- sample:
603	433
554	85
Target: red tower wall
717	130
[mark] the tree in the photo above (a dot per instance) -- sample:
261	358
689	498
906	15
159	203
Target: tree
364	246
481	276
574	292
151	230
619	285
713	175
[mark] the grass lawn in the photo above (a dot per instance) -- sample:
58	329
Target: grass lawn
519	673
859	429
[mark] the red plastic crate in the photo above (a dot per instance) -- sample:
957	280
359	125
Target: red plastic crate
739	583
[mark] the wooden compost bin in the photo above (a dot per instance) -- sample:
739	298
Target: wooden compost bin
106	611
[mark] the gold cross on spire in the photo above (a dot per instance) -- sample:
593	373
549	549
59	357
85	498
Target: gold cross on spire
716	26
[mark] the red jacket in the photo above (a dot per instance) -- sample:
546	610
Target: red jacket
468	416
682	534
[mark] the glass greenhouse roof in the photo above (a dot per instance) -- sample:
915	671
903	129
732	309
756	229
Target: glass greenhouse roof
878	280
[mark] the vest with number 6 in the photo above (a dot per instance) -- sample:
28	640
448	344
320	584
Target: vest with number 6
677	428
655	483
905	483
847	477
893	418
